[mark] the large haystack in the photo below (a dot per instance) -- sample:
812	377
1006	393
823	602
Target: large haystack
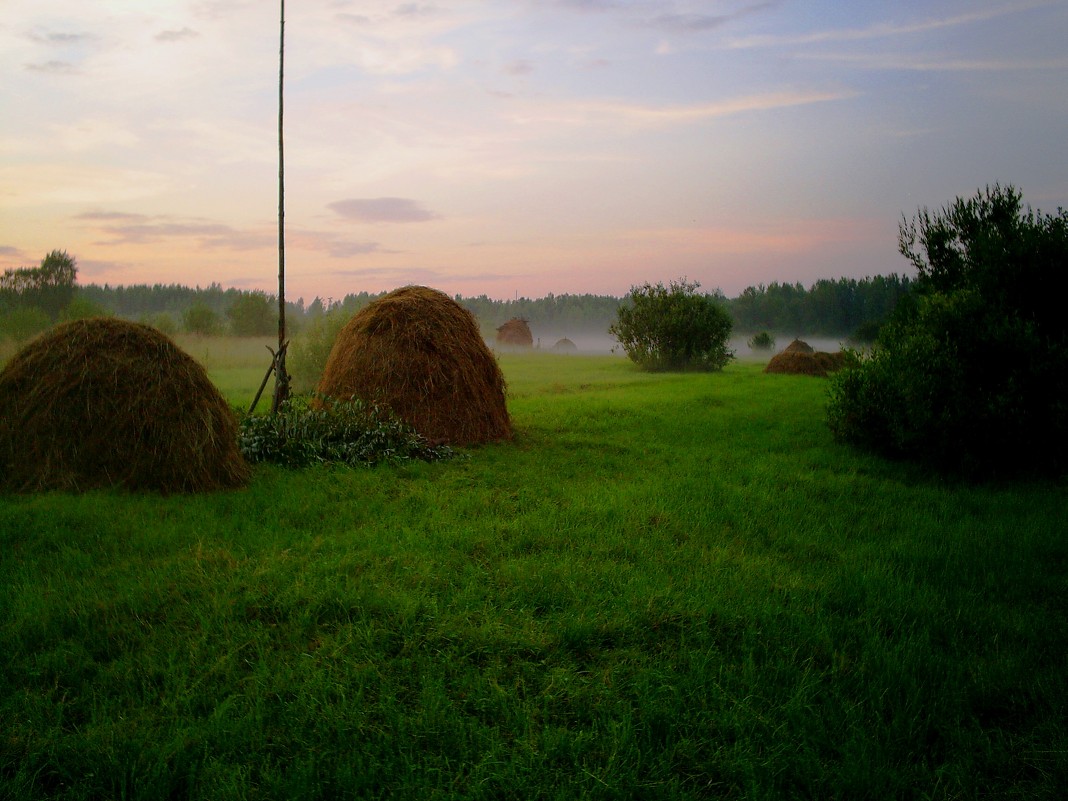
798	362
105	402
420	354
515	334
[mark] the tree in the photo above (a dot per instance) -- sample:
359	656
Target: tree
201	319
971	374
251	315
49	287
673	328
23	322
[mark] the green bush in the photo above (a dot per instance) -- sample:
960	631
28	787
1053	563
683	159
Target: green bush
351	433
252	314
201	319
310	349
674	328
971	375
23	323
761	341
163	322
82	309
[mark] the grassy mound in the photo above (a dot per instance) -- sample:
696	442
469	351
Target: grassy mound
105	402
418	353
515	334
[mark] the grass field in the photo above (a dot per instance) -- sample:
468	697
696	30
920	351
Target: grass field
668	586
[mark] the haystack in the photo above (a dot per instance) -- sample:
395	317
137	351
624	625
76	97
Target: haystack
798	362
799	346
515	334
420	354
565	345
105	402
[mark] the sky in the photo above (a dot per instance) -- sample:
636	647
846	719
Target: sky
515	147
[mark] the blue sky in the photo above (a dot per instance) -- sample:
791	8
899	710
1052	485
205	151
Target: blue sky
515	147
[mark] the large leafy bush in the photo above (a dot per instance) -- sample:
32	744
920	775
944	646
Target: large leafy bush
674	328
971	373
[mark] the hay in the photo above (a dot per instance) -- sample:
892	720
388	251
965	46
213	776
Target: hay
798	362
799	346
515	334
105	402
420	354
565	345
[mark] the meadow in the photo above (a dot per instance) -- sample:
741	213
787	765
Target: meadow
666	587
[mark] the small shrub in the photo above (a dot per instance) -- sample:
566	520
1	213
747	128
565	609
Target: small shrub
82	309
23	323
761	341
202	320
352	433
674	328
310	349
163	322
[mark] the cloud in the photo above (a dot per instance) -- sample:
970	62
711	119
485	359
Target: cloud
639	115
108	216
60	39
176	36
415	10
54	67
134	229
339	249
519	67
884	29
381	209
876	61
690	23
589	5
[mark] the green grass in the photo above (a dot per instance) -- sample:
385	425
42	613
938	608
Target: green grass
666	587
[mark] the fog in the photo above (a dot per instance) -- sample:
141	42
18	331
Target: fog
602	344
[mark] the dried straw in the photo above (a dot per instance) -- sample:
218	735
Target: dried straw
799	346
515	333
105	402
798	362
420	354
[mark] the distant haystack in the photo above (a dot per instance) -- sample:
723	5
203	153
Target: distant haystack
799	346
419	353
105	402
515	334
800	359
565	345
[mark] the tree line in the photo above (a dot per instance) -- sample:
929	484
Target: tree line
32	298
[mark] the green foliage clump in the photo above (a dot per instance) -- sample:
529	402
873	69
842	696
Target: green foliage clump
82	309
23	323
674	328
252	314
201	319
761	341
163	322
309	351
971	374
300	434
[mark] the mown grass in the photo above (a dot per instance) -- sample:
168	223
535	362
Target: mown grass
665	587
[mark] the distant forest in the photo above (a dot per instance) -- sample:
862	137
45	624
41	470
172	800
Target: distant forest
842	307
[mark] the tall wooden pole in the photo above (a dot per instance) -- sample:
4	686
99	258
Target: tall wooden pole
281	377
